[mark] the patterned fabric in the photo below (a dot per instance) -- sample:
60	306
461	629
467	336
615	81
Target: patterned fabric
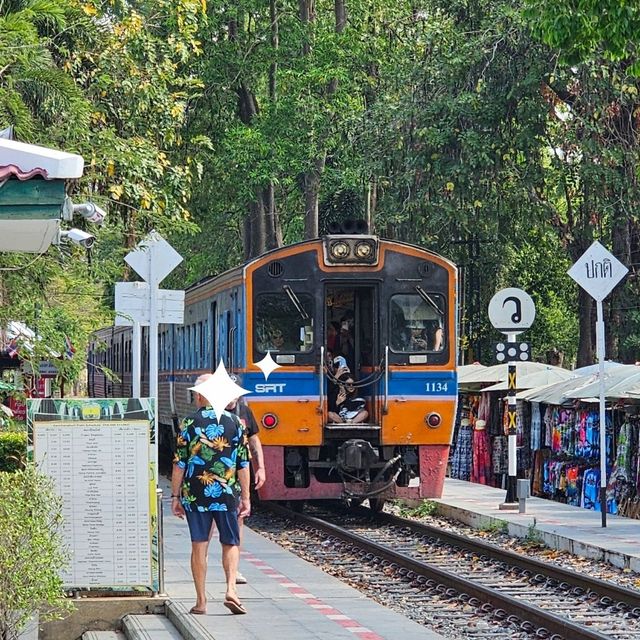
481	469
211	452
461	462
536	426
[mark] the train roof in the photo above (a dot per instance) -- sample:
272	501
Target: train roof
230	274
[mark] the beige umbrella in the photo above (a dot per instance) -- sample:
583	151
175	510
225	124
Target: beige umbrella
539	378
499	372
555	393
619	382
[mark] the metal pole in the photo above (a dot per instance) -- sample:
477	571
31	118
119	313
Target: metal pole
160	517
153	353
600	347
136	353
511	500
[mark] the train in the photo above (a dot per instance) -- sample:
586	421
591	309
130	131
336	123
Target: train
388	307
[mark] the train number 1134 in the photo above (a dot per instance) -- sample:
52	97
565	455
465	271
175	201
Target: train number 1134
437	387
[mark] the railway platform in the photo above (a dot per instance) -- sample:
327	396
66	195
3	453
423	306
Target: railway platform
558	525
286	597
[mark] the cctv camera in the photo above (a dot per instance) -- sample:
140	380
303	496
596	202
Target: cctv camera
91	212
78	236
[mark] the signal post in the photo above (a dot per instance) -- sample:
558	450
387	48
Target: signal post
512	311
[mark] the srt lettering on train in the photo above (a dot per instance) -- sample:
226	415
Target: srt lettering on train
271	388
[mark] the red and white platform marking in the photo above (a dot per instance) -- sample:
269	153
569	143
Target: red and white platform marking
331	613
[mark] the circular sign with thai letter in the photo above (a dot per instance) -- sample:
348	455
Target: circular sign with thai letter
512	310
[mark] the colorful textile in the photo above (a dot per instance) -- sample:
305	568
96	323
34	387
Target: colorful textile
481	468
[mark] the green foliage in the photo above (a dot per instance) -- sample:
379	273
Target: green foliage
13	450
495	526
425	509
585	29
31	553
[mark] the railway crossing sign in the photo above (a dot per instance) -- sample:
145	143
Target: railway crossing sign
512	311
139	303
153	259
132	305
598	271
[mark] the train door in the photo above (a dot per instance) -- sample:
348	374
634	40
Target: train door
351	336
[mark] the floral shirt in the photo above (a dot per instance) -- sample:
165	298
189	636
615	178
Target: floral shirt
211	452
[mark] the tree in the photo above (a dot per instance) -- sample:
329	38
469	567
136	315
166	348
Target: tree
31	554
583	30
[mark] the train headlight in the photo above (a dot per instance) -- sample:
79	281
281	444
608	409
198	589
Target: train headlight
364	250
433	420
340	250
269	420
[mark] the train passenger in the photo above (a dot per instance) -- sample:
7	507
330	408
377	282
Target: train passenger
333	330
348	406
204	496
275	341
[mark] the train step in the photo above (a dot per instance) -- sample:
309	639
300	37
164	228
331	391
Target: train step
149	627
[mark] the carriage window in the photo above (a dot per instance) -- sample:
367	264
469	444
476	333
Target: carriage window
284	322
417	322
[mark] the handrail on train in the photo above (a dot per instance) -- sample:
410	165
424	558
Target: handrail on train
385	406
321	378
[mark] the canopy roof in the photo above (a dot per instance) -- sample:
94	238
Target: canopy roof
24	161
539	378
499	372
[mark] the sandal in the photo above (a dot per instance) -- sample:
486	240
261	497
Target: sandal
234	606
198	612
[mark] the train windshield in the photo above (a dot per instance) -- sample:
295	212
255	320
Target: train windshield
284	322
417	322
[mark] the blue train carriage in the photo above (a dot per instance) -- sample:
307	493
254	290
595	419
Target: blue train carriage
397	305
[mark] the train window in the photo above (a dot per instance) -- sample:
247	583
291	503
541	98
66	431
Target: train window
416	322
284	322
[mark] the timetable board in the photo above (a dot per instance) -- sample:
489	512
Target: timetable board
98	455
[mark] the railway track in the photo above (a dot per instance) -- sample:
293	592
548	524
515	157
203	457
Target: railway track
472	581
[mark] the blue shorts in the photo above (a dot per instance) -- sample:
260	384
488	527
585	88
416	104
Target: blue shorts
200	523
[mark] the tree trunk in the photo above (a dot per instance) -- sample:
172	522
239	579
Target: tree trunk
312	178
585	344
312	197
273	230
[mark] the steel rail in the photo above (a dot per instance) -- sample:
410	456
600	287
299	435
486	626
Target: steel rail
525	612
605	589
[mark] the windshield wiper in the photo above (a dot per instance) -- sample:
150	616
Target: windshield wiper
429	300
295	301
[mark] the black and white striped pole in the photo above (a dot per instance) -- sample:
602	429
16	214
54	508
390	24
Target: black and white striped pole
512	311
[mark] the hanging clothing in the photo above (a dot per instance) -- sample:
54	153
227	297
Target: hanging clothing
481	469
462	455
536	426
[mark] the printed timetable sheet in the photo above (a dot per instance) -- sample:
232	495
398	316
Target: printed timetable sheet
101	471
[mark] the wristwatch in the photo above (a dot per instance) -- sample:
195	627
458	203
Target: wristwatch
175	497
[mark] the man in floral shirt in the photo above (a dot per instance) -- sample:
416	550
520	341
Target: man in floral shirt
210	477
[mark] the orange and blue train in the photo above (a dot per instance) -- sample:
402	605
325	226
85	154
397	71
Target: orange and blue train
388	308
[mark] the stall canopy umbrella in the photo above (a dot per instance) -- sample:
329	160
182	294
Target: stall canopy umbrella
592	369
499	372
467	371
540	378
555	393
619	382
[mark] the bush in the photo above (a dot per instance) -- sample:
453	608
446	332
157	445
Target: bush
13	450
31	552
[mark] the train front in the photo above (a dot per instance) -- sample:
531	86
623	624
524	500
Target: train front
363	401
